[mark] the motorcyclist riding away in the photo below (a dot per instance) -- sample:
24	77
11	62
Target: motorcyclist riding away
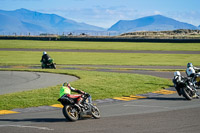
66	89
45	57
192	71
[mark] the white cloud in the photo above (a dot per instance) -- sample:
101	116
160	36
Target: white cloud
157	12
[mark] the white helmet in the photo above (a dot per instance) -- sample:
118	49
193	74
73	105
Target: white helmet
177	73
44	52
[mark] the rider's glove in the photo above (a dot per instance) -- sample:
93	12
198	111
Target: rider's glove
87	94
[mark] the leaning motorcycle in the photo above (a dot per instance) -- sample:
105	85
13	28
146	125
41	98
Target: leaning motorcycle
73	111
49	64
185	87
196	79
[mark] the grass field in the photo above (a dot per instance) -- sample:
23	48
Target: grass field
33	58
100	84
99	45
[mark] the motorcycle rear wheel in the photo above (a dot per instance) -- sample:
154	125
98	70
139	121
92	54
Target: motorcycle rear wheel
187	93
95	112
70	113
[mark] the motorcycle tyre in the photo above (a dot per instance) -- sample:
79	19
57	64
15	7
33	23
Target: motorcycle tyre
53	66
94	111
67	115
186	94
43	66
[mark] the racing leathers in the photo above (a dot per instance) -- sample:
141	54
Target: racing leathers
193	72
45	58
190	71
175	80
66	90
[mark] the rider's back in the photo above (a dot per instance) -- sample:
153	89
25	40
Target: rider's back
190	71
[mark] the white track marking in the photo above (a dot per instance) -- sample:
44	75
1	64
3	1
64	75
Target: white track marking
21	126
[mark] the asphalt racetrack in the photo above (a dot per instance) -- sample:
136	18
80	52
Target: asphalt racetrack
156	113
16	81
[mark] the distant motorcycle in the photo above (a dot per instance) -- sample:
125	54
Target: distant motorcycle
48	64
73	111
185	87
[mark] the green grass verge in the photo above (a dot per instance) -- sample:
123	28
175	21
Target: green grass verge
33	58
99	45
100	85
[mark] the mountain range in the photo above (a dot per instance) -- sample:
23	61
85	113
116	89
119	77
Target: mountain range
23	21
150	23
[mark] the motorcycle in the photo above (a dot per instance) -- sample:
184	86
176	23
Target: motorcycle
49	64
196	79
73	111
185	87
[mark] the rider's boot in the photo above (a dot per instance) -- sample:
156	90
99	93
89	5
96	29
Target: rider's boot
80	103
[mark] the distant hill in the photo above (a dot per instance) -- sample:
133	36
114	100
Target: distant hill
26	21
150	23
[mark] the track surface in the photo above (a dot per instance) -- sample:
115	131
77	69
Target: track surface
162	114
15	81
155	114
103	51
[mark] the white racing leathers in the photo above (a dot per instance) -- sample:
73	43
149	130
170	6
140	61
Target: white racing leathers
194	72
190	71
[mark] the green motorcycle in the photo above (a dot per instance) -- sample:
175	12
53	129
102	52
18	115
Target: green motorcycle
48	64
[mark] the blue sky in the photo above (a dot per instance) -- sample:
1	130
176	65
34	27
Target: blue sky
105	13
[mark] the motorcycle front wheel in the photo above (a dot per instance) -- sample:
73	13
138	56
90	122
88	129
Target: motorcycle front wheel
53	66
95	112
188	94
70	113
